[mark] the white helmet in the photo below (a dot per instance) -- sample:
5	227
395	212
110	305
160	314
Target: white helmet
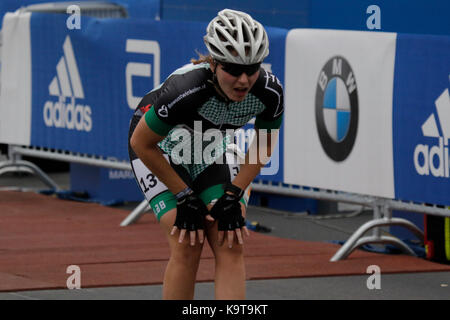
236	30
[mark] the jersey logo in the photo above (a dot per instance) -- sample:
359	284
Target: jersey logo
146	108
163	111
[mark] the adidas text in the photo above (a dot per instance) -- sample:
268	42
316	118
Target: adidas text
425	159
68	116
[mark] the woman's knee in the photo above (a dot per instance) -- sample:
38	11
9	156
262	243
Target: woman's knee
183	252
186	254
223	252
229	256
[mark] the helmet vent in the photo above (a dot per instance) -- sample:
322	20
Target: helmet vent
245	34
215	49
221	36
231	50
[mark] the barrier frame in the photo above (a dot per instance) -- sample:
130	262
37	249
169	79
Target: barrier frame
15	162
382	214
382	207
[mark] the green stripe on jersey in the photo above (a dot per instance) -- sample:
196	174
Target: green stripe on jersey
156	124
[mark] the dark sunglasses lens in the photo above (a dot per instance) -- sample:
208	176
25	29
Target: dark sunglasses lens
251	69
237	69
234	69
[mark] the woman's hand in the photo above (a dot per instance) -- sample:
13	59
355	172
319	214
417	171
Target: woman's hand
191	213
227	210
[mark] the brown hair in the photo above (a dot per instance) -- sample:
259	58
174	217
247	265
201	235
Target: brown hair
202	58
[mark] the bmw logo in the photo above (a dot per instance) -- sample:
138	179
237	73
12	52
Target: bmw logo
337	108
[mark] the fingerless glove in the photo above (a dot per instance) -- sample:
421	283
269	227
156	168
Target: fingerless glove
227	210
191	211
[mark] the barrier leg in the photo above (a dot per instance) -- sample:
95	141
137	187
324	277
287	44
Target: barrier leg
384	240
357	240
18	165
17	169
135	214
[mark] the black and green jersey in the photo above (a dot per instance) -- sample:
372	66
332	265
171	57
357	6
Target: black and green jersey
187	103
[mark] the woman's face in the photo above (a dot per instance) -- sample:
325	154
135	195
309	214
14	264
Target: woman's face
235	87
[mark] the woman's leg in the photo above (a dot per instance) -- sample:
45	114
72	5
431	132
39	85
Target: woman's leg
181	271
230	268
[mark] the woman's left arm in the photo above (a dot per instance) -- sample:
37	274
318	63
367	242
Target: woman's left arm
257	156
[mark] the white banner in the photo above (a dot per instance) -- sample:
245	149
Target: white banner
338	123
15	95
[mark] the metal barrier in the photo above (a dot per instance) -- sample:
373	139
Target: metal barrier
98	9
382	214
382	208
15	162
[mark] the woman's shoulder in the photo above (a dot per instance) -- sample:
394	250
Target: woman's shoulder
267	87
187	80
190	67
190	75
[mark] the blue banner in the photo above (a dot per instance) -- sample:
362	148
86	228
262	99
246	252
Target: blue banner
421	119
87	82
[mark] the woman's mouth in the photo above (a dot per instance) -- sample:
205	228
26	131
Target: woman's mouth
240	91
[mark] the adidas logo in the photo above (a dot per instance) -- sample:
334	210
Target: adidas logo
434	159
66	85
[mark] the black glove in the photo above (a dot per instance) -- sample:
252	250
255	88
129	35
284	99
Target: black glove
227	210
191	212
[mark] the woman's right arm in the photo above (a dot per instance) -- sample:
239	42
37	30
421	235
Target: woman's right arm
144	143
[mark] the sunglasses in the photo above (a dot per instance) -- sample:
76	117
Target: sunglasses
237	69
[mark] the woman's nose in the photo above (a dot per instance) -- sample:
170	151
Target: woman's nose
243	78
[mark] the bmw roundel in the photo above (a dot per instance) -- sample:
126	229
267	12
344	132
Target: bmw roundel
337	108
